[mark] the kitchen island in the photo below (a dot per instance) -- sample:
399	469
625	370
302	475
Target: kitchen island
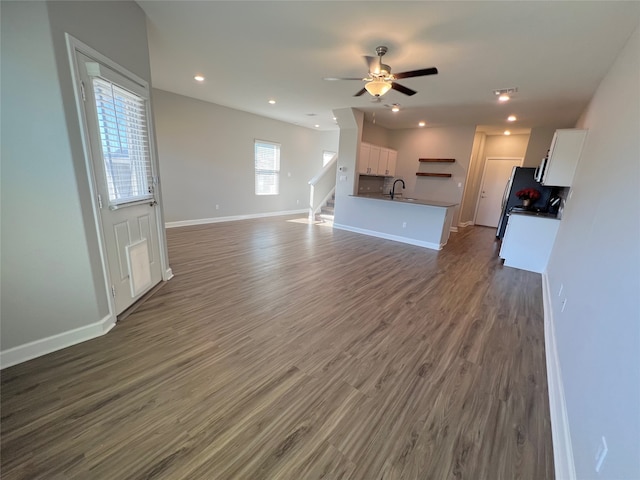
425	223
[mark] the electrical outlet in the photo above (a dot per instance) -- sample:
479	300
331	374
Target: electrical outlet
404	224
564	304
217	207
601	454
297	202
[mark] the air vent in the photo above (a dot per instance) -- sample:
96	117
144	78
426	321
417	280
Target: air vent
506	91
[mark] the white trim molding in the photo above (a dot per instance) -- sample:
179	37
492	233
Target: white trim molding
466	224
233	218
453	229
43	346
560	431
168	275
387	236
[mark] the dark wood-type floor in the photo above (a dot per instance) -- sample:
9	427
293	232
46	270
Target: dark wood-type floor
283	350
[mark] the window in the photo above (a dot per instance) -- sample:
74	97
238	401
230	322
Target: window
122	123
327	156
267	158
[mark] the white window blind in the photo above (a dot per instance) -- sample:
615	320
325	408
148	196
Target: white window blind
267	168
122	122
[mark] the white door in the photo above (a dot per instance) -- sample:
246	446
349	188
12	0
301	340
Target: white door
116	111
494	179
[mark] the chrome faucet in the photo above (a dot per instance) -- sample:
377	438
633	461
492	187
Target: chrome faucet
393	189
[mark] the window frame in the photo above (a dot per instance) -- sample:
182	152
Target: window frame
265	172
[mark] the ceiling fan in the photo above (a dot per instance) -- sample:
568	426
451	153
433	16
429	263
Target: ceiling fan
381	80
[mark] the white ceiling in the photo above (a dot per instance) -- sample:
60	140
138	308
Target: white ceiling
554	52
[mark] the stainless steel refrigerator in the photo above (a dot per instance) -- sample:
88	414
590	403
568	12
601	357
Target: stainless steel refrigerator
521	177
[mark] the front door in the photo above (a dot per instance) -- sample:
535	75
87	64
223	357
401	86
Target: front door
116	112
496	175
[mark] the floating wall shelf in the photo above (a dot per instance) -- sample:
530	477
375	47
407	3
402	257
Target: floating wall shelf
437	160
425	174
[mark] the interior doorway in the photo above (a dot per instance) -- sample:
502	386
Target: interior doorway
495	176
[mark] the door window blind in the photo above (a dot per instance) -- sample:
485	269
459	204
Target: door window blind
267	168
122	123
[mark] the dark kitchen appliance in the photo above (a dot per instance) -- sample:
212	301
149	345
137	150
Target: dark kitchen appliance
521	177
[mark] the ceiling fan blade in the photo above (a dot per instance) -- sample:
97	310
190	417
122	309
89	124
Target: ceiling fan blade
360	92
417	73
342	78
403	89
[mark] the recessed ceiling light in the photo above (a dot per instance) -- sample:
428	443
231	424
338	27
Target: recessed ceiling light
395	108
272	101
511	118
199	78
317	126
421	124
504	97
507	132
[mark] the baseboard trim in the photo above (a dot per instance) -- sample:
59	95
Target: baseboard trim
168	275
560	431
233	218
43	346
466	224
387	236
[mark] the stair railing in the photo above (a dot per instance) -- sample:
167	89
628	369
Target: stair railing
322	186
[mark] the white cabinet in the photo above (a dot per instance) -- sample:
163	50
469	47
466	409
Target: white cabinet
363	159
387	163
564	154
528	241
376	160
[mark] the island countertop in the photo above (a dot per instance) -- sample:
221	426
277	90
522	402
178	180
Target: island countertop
421	222
401	199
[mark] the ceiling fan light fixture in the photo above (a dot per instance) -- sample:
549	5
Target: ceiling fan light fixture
378	87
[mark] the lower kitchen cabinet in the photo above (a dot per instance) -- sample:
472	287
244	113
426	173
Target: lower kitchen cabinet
528	241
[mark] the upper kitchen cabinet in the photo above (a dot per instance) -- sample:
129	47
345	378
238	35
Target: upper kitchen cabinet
387	162
376	160
564	154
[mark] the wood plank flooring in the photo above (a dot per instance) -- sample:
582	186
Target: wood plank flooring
283	350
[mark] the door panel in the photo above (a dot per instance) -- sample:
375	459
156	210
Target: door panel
127	150
496	175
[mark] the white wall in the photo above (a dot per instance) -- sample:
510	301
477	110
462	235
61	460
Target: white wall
52	280
375	134
472	185
596	259
506	146
206	159
436	142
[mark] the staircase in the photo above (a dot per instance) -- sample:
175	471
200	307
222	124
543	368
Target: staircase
326	211
322	192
